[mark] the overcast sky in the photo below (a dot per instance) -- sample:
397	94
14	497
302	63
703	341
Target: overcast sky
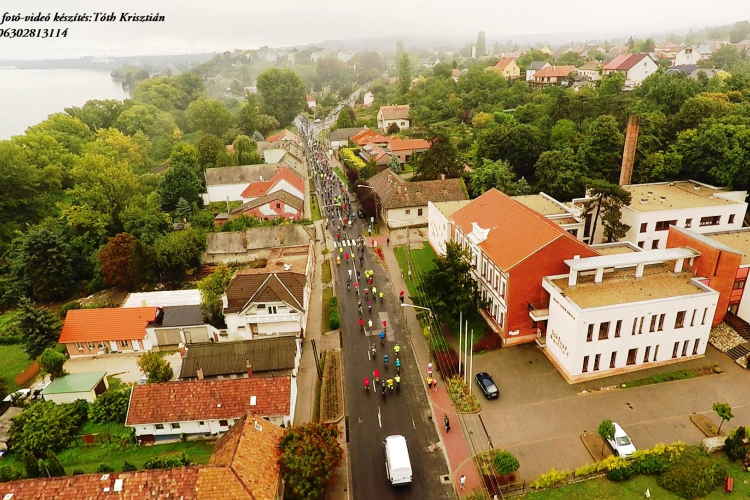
218	25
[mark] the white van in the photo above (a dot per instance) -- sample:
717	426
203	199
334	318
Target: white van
397	463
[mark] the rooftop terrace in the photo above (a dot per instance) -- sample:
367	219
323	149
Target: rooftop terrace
677	195
738	240
541	204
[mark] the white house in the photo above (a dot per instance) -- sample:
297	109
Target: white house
339	138
165	411
591	69
345	55
368	99
164	298
228	183
176	325
612	314
692	54
635	67
534	67
690	204
439	226
310	101
388	115
91	332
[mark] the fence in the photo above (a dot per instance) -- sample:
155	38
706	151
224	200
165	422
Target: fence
29	373
92	439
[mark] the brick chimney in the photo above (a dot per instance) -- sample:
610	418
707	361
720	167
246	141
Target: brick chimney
182	349
249	369
628	154
199	373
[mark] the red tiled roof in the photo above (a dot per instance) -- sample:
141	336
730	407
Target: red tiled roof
397	144
111	323
284	173
256	189
515	230
284	134
209	399
624	62
503	63
554	71
368	135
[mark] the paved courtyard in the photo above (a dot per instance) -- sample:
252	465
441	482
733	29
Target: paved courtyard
539	416
123	365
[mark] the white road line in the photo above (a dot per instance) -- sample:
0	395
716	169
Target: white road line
413	424
380	422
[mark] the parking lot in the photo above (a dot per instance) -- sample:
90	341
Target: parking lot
123	365
539	417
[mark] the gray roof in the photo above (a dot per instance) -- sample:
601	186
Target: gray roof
344	133
181	316
257	238
242	174
537	65
226	358
221	243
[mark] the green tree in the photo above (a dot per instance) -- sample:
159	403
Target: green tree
249	113
144	219
740	31
489	143
71	133
309	455
724	411
612	84
481	45
177	253
212	288
601	147
183	211
441	158
344	119
180	181
211	152
246	151
702	108
283	94
116	260
39	328
185	154
394	164
143	266
208	116
393	128
564	134
111	406
505	463
667	91
521	147
493	174
46	427
155	367
606	431
728	58
97	114
482	119
606	201
404	73
560	174
52	363
52	466
718	153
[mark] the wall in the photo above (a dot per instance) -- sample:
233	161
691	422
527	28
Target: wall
410	219
236	258
683	57
221	192
272	211
194	428
71	397
235	322
384	124
438	229
99	347
744	309
641	71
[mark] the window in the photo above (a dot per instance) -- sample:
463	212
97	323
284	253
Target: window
674	350
640	244
223	423
175	426
635	324
419	212
260	306
679	321
123	343
632	353
79	346
688	222
692	319
739	284
655	245
661	322
585	364
644	227
663	225
684	347
646	354
656	352
652	328
612	360
596	362
202	423
159	427
703	321
407	211
590	334
604	331
272	310
710	221
640	325
618	327
731	218
695	346
573	232
90	345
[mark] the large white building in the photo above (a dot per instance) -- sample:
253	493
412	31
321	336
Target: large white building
656	206
618	313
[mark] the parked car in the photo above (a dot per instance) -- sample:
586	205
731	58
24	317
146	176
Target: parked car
621	444
361	214
24	393
485	382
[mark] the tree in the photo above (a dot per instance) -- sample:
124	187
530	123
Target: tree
724	411
185	154
404	74
180	181
283	94
310	454
740	31
482	119
212	287
608	200
177	253
441	158
52	466
564	134
560	174
52	363
209	116
521	147
505	463
394	164
718	153
606	431
493	174
481	45
143	266
46	427
97	114
144	219
489	143
39	328
211	152
344	120
246	151
155	367
117	261
393	128
111	406
601	148
701	108
183	211
612	84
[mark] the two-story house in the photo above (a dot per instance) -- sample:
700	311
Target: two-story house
508	68
635	67
389	115
551	75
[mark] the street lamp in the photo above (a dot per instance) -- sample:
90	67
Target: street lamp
429	326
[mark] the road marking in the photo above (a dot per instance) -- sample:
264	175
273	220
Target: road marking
413	424
380	422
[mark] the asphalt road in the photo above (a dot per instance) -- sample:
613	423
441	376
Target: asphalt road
371	417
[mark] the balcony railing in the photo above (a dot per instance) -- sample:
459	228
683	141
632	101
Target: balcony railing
272	318
539	312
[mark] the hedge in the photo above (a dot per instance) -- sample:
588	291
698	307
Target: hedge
333	317
351	160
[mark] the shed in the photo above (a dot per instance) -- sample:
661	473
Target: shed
75	386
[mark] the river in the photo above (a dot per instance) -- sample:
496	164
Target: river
28	96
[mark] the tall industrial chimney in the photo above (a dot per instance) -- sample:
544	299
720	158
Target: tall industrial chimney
628	155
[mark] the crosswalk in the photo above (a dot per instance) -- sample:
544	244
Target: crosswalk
345	243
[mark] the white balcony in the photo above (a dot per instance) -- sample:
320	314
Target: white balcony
272	318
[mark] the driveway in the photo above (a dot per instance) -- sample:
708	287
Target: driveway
123	365
539	417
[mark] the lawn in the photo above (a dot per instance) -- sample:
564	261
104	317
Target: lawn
315	208
670	376
604	489
341	175
14	361
326	272
324	318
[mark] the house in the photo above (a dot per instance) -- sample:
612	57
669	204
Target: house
510	55
281	156
635	67
692	54
339	138
551	75
90	332
310	101
228	183
318	54
455	74
404	204
654	207
163	298
591	51
439	223
345	55
243	466
369	136
255	243
508	68
512	248
176	325
389	115
271	300
271	356
376	154
207	407
74	386
545	50
414	82
613	314
592	70
692	71
292	146
559	213
404	149
284	135
283	179
368	99
280	204
666	50
534	67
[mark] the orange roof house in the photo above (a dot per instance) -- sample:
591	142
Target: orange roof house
369	135
406	148
87	332
508	67
513	247
283	178
551	75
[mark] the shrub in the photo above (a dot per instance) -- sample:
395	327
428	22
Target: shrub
78	472
622	473
8	473
461	395
333	317
586	470
52	363
11	339
351	160
127	467
168	462
505	463
735	446
104	469
112	406
489	342
447	361
155	367
67	307
692	474
549	479
651	464
31	432
310	453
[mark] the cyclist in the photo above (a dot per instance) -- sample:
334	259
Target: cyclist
384	322
347	259
381	297
397	379
361	322
350	272
356	287
369	305
367	384
390	384
359	304
385	360
382	337
374	291
398	365
367	291
396	349
374	351
376	375
338	260
369	324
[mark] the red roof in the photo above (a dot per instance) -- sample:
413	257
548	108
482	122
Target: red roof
396	144
624	62
209	399
369	135
504	63
515	231
284	134
261	188
554	71
112	323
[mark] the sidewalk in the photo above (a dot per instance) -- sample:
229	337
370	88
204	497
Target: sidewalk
454	443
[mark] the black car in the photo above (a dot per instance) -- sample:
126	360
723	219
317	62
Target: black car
361	214
487	385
